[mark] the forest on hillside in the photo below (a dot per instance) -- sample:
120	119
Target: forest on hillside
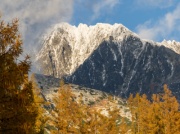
23	110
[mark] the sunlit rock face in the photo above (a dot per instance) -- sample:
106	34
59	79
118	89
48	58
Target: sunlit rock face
66	47
110	58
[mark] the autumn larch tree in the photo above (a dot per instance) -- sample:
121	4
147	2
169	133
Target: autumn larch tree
42	118
161	115
18	111
68	114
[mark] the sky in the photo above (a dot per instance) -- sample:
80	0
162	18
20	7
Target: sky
150	19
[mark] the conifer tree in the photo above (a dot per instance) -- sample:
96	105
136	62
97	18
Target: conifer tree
17	108
41	118
123	126
165	113
68	114
159	116
133	103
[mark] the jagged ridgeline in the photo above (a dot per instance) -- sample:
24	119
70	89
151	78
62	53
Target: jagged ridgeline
110	58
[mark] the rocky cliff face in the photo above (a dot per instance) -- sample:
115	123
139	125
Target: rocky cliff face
110	58
128	67
67	47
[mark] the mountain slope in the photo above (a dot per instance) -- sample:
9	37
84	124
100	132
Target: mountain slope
110	58
67	47
129	67
93	99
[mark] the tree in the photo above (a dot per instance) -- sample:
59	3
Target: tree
18	111
165	113
42	117
159	116
68	114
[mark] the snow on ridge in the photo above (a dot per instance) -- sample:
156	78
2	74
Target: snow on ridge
171	44
81	39
105	29
79	42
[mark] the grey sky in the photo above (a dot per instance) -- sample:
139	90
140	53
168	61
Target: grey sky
35	17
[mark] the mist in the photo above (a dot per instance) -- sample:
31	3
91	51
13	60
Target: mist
35	17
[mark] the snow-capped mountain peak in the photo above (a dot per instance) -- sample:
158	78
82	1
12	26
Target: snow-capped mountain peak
110	58
77	43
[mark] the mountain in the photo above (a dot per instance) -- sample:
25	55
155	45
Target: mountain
66	47
110	58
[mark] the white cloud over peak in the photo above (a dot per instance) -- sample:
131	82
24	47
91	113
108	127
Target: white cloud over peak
167	26
36	15
156	3
101	5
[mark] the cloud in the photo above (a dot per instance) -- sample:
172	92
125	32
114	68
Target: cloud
156	3
36	16
101	5
166	27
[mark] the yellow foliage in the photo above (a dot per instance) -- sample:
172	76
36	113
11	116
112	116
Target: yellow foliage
71	115
159	116
18	111
67	112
